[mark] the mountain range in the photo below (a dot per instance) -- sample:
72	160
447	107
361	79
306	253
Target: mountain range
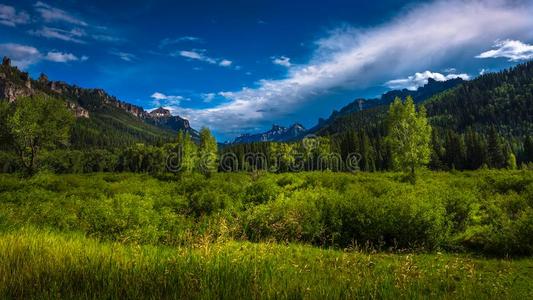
276	134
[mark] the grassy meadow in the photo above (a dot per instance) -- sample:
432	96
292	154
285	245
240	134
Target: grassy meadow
258	235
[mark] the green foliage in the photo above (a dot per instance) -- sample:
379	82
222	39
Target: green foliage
408	135
38	122
487	212
511	162
208	152
187	151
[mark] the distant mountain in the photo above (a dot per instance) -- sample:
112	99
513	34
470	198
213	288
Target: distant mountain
162	118
276	134
433	87
103	121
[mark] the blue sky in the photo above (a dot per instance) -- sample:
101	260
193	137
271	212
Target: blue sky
239	66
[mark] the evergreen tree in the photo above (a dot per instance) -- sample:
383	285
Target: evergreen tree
437	152
476	150
455	150
528	149
495	150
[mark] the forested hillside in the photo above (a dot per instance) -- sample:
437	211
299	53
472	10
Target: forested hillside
421	94
103	121
479	122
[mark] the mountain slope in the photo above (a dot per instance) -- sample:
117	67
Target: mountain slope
421	94
503	100
103	121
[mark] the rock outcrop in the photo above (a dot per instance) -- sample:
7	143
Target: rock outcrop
82	101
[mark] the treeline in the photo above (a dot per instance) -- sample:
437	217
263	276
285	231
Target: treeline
449	150
182	156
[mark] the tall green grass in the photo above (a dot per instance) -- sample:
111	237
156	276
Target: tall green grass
43	264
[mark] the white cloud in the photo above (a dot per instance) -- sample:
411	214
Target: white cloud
200	55
450	70
420	79
125	56
73	35
62	57
225	63
282	61
23	56
511	49
161	99
197	54
53	14
426	36
169	41
208	97
10	17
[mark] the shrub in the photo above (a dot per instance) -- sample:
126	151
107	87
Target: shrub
261	191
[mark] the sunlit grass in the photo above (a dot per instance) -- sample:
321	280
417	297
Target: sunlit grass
40	264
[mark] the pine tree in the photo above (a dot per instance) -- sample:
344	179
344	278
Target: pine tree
528	149
476	150
495	150
455	150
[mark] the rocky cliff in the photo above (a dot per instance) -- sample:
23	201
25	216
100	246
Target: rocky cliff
81	101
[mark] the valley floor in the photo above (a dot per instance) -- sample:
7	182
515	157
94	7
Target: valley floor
465	235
